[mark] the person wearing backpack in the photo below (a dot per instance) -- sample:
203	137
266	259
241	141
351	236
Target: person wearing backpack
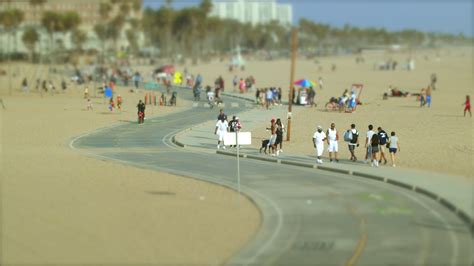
352	137
383	139
368	147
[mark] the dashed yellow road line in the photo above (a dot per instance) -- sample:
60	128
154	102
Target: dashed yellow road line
363	239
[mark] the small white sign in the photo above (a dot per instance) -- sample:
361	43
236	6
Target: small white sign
245	138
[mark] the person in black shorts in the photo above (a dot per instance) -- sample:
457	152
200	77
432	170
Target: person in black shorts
141	112
279	138
354	142
383	139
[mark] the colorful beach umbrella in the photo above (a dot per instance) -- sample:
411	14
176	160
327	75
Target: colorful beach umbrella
305	83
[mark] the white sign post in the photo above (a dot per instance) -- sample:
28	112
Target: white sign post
238	138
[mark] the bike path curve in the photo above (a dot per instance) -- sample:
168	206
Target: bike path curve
309	217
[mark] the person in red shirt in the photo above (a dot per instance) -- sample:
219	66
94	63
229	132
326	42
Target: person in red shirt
119	102
467	105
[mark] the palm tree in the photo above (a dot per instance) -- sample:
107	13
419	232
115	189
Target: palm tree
36	4
78	37
30	38
158	26
59	23
136	5
51	21
10	19
114	28
101	33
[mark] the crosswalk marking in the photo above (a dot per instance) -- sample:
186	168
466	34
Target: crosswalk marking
222	105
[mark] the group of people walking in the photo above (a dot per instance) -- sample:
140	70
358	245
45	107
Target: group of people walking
223	126
375	144
275	142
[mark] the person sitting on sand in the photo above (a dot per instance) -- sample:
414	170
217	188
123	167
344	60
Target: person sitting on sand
398	93
422	97
352	101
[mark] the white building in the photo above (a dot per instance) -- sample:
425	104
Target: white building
253	11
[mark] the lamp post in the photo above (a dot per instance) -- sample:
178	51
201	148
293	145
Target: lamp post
294	45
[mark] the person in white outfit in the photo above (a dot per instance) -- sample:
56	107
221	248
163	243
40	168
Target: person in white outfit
221	129
332	138
318	141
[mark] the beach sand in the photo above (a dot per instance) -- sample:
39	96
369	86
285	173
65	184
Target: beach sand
437	139
60	207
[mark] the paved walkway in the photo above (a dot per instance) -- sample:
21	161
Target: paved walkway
309	216
454	192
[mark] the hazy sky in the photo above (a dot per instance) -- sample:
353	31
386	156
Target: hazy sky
451	16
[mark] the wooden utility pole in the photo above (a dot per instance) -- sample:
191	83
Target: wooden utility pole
294	48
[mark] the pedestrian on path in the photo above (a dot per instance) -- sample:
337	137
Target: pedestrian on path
234	126
141	112
318	141
222	115
394	147
268	98
352	136
279	132
273	137
383	137
332	139
368	147
375	144
221	129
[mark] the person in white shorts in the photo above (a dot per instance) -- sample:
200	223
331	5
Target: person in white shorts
332	138
221	129
318	140
272	140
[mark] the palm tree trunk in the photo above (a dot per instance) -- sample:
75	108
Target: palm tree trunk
9	65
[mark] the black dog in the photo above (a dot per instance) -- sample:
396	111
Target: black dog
264	146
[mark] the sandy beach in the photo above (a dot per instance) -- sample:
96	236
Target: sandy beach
437	139
60	207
